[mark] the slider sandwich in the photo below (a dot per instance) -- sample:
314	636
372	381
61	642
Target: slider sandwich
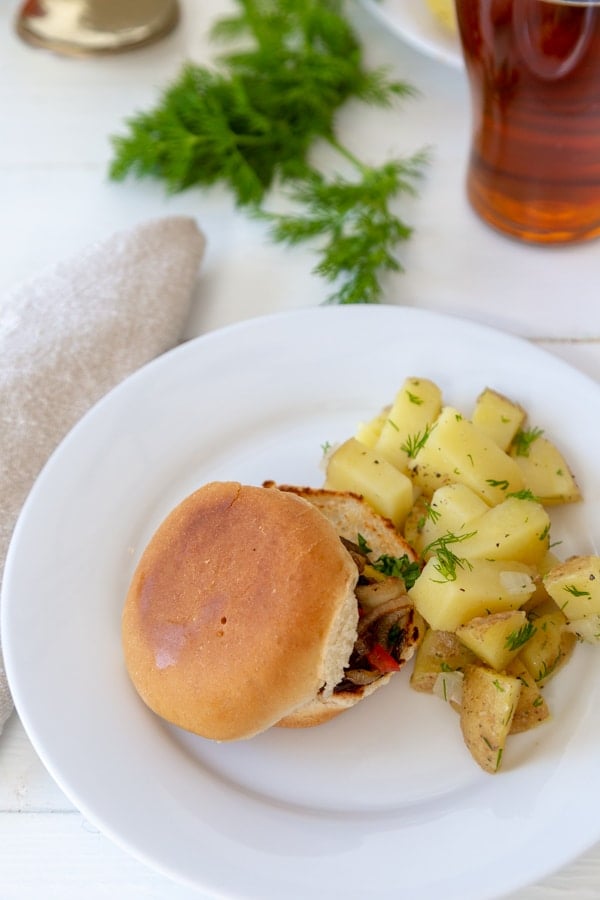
259	606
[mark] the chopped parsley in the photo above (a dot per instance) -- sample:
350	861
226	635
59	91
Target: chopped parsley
398	567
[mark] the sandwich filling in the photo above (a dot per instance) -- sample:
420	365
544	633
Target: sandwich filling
388	627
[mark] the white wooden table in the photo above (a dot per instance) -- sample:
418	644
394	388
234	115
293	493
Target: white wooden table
56	116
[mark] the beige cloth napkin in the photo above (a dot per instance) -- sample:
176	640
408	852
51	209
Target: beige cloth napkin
72	333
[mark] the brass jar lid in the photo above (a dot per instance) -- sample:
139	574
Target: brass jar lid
91	27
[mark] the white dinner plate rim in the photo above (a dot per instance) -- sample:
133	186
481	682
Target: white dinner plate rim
277	336
418	28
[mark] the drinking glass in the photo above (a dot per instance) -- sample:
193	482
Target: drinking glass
534	74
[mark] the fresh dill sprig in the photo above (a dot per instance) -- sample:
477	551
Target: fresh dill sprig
447	562
524	438
519	637
525	494
415	442
252	122
354	220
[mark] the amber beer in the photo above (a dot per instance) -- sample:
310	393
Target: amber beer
534	73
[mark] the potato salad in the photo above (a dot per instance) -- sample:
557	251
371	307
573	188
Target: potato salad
473	496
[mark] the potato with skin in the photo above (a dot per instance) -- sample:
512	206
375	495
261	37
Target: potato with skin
544	469
551	645
354	467
439	651
458	451
575	587
478	587
416	406
531	709
498	416
587	629
497	639
489	701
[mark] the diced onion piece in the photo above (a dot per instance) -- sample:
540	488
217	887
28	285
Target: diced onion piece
586	629
448	686
370	596
517	583
328	451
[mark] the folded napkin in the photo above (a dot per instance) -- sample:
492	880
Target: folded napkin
71	334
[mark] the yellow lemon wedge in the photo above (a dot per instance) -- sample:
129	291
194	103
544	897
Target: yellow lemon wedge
445	13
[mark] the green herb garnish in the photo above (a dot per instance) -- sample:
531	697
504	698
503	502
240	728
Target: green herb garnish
414	442
524	438
447	562
398	567
499	483
431	512
575	591
253	121
363	545
520	636
525	494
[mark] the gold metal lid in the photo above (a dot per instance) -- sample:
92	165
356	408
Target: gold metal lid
91	27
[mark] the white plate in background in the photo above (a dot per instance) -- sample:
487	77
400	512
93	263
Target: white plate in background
382	801
415	23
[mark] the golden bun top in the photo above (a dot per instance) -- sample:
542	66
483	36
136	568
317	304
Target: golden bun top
241	610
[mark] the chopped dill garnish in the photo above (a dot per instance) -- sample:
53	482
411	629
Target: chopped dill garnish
415	442
525	494
447	562
524	438
575	591
520	636
493	482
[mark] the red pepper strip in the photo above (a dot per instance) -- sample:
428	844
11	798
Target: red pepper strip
381	660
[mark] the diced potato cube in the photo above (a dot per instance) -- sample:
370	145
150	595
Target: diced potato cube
575	586
587	629
354	467
416	522
439	651
489	701
514	529
449	511
498	416
416	405
549	561
551	645
531	709
458	451
544	470
368	432
496	639
478	587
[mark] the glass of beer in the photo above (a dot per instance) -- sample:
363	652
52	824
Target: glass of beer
534	74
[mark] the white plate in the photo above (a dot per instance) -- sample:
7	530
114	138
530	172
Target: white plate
413	22
380	802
